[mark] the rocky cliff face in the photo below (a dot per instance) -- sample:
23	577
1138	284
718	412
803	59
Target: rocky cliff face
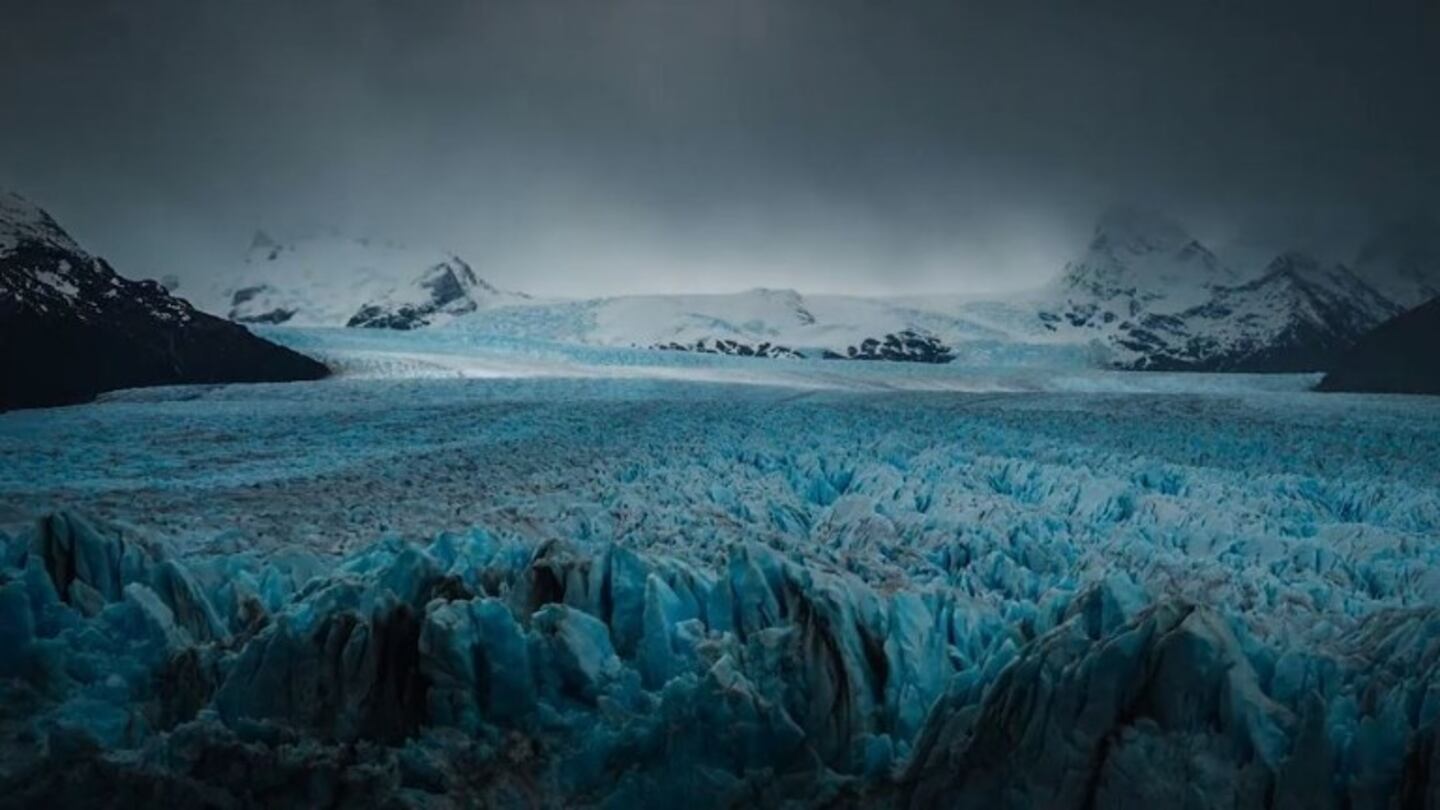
72	327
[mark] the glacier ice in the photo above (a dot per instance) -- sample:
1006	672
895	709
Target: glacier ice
472	669
614	593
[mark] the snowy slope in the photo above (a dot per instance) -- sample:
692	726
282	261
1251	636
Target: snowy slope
1298	316
72	327
1138	261
333	280
785	322
22	221
1144	294
1157	298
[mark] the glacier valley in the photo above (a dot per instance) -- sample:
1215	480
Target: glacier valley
474	572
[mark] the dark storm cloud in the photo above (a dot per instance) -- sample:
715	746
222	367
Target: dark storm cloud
593	146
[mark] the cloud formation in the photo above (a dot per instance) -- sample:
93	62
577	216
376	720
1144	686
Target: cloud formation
593	147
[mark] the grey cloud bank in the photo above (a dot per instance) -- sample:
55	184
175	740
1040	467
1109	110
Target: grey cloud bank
589	148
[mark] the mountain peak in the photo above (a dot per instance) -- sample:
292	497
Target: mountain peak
1294	263
1138	230
335	279
1141	260
22	220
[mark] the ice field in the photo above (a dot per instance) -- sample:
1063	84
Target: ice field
473	572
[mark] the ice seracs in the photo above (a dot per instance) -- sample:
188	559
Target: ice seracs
333	280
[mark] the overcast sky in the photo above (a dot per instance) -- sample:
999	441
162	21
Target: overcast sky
597	147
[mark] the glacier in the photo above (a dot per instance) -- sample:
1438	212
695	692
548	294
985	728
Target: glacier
648	587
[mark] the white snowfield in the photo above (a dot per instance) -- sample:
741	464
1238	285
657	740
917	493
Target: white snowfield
811	324
616	589
329	279
23	221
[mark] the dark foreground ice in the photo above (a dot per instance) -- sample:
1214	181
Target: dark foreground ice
622	593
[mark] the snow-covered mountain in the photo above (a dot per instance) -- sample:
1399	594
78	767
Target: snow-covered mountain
1143	294
1295	317
767	323
72	327
333	280
1138	261
1157	298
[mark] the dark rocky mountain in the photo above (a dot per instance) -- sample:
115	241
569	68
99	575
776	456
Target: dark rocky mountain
71	327
1401	356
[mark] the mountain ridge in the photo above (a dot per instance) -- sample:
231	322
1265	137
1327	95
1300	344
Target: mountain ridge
1142	294
73	327
335	280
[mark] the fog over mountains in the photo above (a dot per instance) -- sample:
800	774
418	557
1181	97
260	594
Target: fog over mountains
1143	293
633	146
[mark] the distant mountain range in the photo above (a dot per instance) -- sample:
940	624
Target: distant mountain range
332	280
1143	294
1157	298
71	327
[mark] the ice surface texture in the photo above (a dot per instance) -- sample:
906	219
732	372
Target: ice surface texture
621	593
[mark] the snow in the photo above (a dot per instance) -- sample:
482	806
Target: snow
1144	294
22	220
979	367
1144	258
630	584
810	324
58	282
325	280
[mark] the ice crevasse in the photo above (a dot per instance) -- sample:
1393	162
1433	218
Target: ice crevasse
482	670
